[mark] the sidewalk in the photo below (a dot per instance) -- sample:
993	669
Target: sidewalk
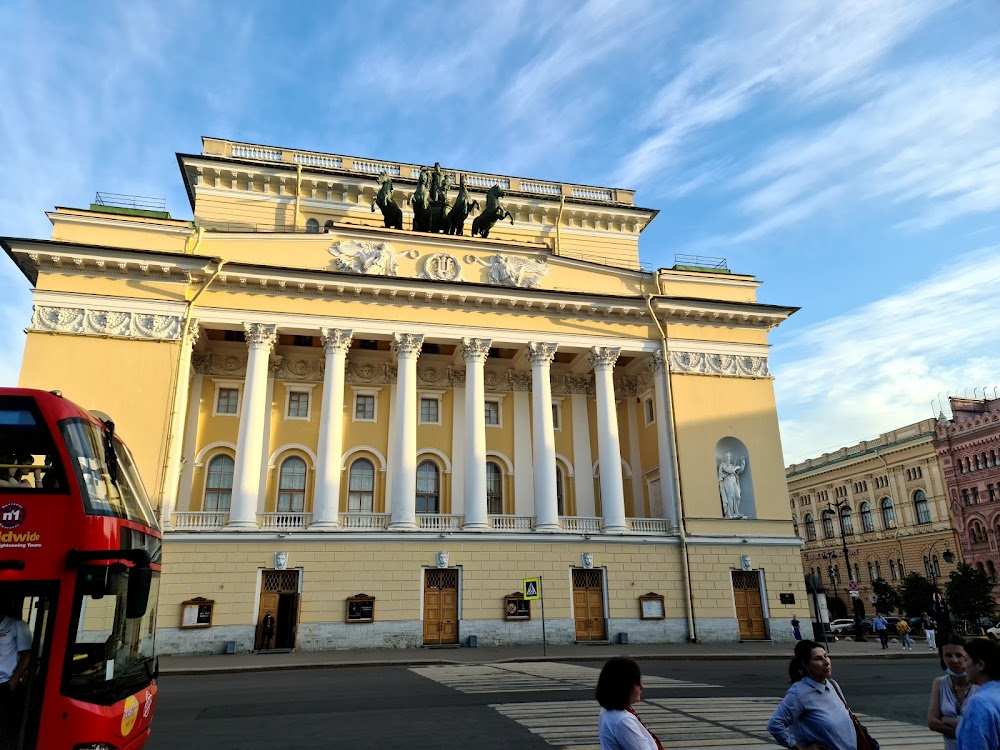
260	662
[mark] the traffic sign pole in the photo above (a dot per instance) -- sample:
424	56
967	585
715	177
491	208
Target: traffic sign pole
542	599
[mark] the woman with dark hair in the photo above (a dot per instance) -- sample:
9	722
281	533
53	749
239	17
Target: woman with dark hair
950	691
618	687
813	714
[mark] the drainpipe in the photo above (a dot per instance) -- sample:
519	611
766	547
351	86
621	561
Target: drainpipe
179	396
298	193
679	508
562	205
198	235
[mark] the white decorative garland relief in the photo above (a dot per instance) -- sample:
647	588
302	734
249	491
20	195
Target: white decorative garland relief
115	323
704	363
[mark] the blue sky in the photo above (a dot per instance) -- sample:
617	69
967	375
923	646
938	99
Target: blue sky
847	153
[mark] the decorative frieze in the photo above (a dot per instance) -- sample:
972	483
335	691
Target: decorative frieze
579	384
211	363
112	323
734	365
520	380
370	258
625	387
370	373
300	369
513	271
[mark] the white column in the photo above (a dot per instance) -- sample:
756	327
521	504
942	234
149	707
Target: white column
608	446
475	352
524	468
638	506
404	485
246	481
543	439
175	439
326	506
664	439
583	474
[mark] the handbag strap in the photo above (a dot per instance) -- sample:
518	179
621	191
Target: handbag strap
655	738
836	687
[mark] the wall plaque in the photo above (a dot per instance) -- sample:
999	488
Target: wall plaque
516	607
197	613
360	608
651	607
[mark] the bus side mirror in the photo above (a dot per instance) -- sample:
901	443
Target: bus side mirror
140	579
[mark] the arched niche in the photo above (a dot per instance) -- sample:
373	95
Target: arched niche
735	479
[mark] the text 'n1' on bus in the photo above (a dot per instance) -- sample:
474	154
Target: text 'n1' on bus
79	576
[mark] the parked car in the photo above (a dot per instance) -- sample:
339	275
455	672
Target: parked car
842	626
994	632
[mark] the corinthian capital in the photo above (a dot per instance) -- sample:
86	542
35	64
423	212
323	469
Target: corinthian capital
336	339
260	335
475	350
541	354
656	364
604	357
407	345
194	331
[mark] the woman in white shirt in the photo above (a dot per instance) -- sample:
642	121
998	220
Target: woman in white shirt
618	688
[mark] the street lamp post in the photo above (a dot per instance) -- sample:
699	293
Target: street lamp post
948	555
859	631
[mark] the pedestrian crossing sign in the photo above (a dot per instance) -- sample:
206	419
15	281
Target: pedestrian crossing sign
531	588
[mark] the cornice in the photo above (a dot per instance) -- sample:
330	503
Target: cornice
289	538
721	313
95	218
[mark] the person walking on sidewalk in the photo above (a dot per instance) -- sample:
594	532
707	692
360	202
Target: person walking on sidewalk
796	627
813	714
980	725
618	688
880	627
903	630
929	626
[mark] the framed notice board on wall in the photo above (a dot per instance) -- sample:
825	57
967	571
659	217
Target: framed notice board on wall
651	607
197	613
361	608
516	607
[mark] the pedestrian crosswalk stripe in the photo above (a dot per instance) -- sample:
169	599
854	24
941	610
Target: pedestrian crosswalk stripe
530	677
692	723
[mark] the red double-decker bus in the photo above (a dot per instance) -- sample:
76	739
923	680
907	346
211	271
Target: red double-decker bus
79	572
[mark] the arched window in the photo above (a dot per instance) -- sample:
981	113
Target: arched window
902	572
219	486
980	568
810	528
312	226
892	569
828	524
991	570
978	532
795	525
867	523
292	486
927	566
361	487
923	509
494	489
328	225
560	491
993	458
888	514
428	487
878	569
935	566
857	572
871	572
846	523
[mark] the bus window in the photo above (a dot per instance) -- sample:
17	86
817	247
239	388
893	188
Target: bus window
131	488
109	655
28	459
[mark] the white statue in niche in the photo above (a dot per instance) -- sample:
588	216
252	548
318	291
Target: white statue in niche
729	485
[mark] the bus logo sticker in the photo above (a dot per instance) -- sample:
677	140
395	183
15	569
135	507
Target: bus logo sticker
130	715
11	515
148	705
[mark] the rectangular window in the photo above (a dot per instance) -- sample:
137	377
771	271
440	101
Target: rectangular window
492	412
975	495
429	411
647	407
993	493
364	406
555	417
229	399
966	497
298	405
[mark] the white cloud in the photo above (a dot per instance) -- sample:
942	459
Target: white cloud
850	377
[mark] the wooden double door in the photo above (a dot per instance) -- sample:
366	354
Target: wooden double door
588	605
278	617
440	606
749	606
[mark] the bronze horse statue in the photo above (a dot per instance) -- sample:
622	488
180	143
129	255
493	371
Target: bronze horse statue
454	222
392	214
421	204
494	212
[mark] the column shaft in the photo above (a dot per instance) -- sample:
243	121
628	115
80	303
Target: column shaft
664	439
608	445
475	352
404	484
175	438
246	481
326	506
543	439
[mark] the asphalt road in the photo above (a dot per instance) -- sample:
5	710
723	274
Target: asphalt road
396	707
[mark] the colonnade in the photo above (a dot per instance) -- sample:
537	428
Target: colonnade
261	338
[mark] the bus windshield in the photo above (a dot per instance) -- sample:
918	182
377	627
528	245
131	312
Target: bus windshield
29	462
109	656
122	496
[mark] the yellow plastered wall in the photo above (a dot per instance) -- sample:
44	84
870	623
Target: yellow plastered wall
144	289
712	585
708	409
120	231
131	381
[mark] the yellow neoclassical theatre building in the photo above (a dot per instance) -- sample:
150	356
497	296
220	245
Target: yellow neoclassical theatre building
371	398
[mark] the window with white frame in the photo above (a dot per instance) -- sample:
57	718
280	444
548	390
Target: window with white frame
361	487
428	488
365	405
430	407
219	484
922	507
494	488
298	403
492	407
227	398
648	411
556	414
292	486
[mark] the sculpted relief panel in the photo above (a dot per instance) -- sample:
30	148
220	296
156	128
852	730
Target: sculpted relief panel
114	323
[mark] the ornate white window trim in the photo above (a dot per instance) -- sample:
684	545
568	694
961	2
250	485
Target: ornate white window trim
306	388
557	413
425	395
364	391
495	398
219	384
